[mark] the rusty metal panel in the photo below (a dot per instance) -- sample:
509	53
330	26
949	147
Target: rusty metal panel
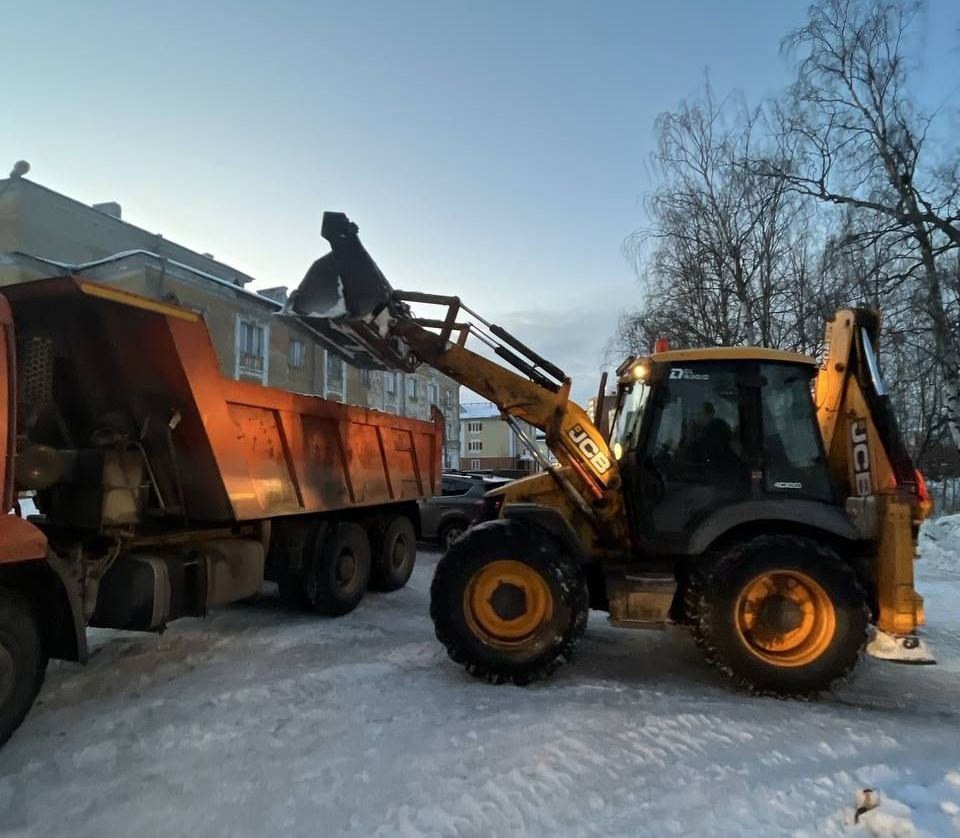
323	474
401	451
333	455
366	464
260	438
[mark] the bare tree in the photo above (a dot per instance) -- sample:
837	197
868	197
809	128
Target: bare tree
721	259
851	135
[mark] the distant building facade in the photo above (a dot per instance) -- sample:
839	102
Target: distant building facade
488	443
44	234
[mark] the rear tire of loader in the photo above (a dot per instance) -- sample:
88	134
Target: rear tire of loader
783	616
23	661
396	554
337	577
507	602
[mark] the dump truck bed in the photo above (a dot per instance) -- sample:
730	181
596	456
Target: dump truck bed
101	361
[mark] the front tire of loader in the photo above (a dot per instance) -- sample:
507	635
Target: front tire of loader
23	661
507	602
782	615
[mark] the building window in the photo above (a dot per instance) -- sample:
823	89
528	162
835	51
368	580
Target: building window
475	445
474	464
433	394
474	427
251	348
365	377
390	382
334	372
411	387
449	426
298	354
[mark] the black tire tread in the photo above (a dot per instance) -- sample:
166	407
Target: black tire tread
381	577
15	610
701	606
323	598
490	537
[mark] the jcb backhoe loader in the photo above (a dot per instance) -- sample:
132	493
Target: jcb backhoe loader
768	505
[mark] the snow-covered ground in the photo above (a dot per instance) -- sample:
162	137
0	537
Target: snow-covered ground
256	722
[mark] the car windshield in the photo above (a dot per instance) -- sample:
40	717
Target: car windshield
628	417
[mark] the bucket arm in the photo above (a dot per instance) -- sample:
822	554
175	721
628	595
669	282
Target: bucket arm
348	302
872	467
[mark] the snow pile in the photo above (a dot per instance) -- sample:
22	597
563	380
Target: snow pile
940	544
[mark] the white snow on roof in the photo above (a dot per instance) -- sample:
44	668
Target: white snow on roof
479	410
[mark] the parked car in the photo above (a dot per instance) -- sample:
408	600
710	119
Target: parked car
446	517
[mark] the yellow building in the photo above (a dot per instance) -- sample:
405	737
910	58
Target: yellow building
488	443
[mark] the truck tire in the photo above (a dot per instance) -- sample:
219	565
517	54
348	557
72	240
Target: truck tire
782	615
508	603
395	556
339	571
23	661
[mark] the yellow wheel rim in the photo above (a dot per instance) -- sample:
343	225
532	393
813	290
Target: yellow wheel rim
506	603
785	617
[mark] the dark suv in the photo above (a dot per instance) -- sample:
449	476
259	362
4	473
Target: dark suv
445	517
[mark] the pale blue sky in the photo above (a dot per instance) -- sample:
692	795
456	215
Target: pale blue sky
496	150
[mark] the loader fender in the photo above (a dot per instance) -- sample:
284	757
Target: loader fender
549	520
810	515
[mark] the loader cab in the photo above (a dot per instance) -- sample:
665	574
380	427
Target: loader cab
699	432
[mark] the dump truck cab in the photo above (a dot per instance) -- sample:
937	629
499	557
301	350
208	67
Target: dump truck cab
715	439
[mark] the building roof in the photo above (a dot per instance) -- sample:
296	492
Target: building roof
478	410
128	237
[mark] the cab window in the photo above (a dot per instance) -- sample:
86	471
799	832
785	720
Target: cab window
698	436
791	437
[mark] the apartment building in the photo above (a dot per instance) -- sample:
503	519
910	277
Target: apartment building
488	443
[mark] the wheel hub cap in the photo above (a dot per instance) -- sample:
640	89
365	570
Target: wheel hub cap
785	617
346	568
506	603
399	553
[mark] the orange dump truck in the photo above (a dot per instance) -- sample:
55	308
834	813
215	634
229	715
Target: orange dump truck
164	489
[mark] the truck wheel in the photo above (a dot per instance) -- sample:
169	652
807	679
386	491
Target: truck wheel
396	555
449	533
337	578
782	615
23	661
508	603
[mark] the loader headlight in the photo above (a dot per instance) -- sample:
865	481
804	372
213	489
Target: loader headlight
639	371
617	450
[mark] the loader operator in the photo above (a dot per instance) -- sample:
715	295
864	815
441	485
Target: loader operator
711	445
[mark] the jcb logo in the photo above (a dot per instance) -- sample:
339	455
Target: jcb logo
590	450
860	454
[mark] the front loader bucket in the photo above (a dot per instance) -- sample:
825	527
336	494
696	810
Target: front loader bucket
346	300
